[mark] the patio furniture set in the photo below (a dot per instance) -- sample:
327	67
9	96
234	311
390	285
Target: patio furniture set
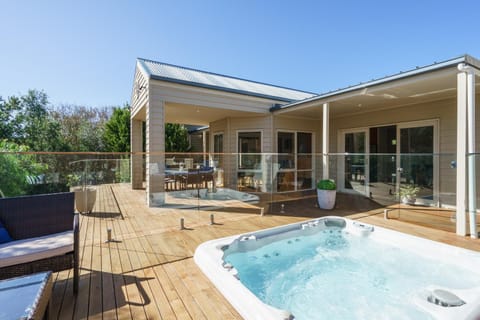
39	235
185	174
189	179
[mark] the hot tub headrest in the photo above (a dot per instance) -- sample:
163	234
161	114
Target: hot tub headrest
335	222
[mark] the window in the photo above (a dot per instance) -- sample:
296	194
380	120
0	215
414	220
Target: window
285	145
249	161
249	150
295	161
218	150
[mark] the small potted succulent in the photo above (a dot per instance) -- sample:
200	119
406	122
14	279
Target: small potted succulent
326	194
408	193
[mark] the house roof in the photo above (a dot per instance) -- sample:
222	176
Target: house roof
467	59
177	74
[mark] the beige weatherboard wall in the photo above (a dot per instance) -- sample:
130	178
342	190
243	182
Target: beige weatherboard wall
440	96
164	93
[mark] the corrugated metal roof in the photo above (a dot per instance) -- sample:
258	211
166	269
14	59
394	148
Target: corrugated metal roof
167	72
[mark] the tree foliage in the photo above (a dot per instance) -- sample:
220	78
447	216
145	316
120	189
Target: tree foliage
8	119
82	128
15	167
176	138
29	123
117	130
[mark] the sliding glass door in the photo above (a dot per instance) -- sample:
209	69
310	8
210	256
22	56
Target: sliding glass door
417	161
380	160
353	167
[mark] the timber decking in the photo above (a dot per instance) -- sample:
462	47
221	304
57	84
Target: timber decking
148	271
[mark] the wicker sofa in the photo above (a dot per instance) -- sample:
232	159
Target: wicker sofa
45	233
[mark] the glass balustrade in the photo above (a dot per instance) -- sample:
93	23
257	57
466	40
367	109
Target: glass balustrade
411	187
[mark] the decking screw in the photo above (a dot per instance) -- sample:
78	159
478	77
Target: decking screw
212	219
182	223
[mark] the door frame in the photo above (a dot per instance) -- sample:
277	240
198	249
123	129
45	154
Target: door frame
436	161
341	164
399	125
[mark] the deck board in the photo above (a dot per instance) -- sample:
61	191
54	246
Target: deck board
148	272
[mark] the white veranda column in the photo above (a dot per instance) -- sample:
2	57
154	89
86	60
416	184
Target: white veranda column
461	227
325	140
155	148
471	180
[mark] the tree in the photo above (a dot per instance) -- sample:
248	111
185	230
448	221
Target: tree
15	167
30	124
82	128
8	119
176	138
117	130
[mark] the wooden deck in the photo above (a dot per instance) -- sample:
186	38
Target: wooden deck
148	271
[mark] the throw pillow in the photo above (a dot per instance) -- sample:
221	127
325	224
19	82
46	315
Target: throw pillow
4	236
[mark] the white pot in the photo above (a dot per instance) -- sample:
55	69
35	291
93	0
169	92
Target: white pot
85	199
326	199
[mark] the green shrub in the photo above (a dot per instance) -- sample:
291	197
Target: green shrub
326	185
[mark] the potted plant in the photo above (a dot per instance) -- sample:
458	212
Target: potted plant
85	196
326	194
408	193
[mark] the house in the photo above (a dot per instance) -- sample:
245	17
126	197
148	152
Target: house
414	127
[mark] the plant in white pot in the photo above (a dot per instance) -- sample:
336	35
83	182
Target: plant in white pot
408	193
85	196
326	194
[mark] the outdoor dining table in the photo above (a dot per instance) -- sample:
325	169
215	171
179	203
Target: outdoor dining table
194	177
26	297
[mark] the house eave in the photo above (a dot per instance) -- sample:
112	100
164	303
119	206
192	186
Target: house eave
399	76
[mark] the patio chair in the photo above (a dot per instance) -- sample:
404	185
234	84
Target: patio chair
45	235
193	178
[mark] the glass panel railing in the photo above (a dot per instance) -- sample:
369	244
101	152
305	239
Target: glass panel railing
417	188
382	179
29	173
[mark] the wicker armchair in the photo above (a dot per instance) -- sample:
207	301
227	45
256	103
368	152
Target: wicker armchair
40	215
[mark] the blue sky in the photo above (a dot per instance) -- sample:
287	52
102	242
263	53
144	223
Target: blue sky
83	52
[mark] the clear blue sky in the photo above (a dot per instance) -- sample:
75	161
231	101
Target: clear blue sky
83	52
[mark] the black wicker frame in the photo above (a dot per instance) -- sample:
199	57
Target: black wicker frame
39	215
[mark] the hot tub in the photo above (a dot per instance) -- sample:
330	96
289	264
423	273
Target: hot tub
336	268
